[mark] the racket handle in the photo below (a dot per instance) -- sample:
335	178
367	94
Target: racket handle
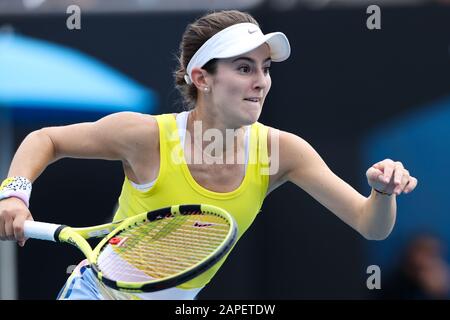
40	230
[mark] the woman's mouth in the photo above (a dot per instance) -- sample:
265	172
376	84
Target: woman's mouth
253	99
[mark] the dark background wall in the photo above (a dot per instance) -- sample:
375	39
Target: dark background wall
341	80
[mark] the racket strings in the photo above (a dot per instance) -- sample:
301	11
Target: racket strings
163	248
160	261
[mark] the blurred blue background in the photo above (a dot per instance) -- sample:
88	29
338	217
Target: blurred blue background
37	74
422	138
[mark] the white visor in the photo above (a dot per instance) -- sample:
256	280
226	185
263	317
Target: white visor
236	40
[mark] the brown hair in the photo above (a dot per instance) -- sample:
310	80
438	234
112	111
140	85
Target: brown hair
195	35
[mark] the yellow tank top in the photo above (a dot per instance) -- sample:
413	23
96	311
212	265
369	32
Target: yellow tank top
175	185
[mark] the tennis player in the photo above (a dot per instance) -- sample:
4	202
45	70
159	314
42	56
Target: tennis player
223	76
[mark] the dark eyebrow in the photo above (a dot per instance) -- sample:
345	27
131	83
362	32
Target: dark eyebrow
249	59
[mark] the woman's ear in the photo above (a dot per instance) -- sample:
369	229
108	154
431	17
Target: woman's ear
199	78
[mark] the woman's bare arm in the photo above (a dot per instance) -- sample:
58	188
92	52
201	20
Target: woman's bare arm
373	216
120	136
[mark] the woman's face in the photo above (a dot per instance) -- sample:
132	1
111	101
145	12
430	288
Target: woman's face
240	85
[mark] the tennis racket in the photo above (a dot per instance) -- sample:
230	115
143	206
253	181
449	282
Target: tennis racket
151	251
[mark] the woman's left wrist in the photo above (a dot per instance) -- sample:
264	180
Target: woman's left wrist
382	192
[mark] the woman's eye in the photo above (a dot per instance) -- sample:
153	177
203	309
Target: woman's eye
267	70
244	69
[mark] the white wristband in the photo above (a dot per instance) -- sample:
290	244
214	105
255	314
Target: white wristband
18	187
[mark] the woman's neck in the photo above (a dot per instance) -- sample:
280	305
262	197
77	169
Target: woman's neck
213	138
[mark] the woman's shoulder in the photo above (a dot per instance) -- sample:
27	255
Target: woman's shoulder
285	145
135	124
283	135
134	117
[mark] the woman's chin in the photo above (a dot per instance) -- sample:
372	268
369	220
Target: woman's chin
252	117
249	117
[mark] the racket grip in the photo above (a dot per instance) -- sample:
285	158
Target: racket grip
40	230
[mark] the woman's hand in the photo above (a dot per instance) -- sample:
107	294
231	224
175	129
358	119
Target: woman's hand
13	213
390	177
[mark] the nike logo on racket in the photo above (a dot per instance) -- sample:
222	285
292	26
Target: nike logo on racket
201	224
